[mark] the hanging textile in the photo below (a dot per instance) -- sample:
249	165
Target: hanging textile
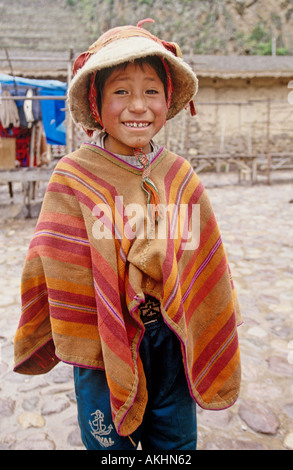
51	112
8	111
22	136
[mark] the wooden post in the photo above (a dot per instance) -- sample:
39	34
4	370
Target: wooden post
187	137
222	141
11	70
239	120
69	123
268	146
249	130
183	132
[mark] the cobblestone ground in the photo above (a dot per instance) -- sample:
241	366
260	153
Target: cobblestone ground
257	228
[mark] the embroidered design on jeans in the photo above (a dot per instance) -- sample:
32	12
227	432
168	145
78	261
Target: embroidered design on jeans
99	430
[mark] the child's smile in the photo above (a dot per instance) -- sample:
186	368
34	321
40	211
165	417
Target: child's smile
133	108
137	124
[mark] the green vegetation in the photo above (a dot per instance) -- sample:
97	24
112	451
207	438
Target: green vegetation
200	27
260	42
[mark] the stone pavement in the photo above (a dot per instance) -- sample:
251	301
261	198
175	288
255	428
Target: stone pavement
257	228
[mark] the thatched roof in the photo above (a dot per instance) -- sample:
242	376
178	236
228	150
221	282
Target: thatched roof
55	65
36	64
229	67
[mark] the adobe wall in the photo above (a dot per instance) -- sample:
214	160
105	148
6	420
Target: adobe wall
232	117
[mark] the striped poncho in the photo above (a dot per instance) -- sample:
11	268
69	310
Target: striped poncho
92	259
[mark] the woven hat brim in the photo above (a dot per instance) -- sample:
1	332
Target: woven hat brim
126	50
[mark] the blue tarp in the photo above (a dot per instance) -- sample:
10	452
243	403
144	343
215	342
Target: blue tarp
53	114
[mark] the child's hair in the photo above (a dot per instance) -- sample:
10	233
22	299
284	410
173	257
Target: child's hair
153	61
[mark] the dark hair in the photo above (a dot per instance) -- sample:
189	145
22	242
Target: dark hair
102	75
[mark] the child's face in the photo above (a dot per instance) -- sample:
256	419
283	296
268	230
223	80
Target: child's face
133	108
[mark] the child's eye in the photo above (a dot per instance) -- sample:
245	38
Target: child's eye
120	92
152	92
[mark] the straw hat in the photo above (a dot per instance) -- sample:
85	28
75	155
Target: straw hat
124	44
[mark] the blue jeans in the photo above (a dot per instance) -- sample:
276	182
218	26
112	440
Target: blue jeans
170	418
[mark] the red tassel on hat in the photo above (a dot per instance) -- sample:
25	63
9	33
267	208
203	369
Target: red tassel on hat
192	108
146	20
172	47
79	62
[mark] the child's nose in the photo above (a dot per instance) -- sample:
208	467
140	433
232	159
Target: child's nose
137	103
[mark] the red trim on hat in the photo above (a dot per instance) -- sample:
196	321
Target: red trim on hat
92	97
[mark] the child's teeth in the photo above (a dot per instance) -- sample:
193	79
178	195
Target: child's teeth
135	124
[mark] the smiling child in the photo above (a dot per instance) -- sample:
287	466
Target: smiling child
148	323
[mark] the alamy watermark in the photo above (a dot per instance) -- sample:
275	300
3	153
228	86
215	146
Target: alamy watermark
175	222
